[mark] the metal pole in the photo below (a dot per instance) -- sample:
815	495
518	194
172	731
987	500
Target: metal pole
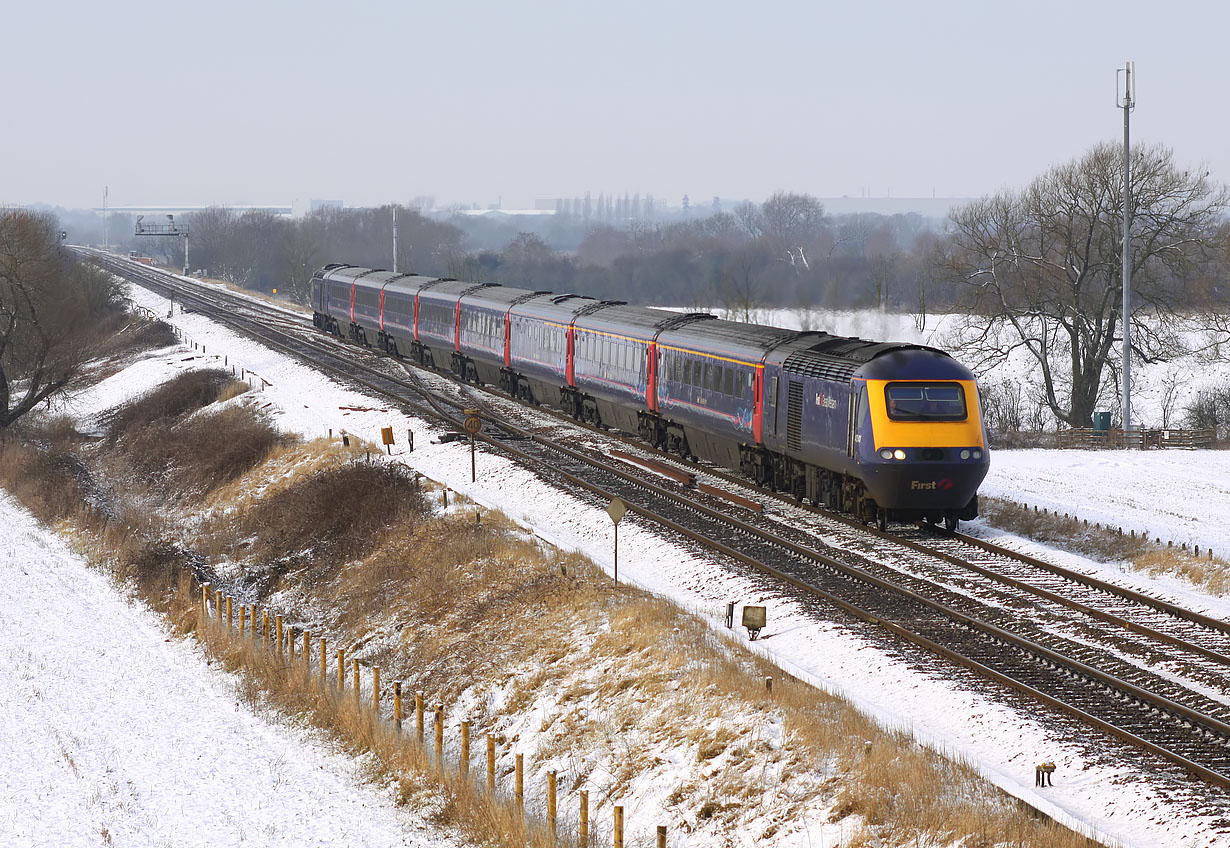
616	554
394	238
1128	104
473	471
185	254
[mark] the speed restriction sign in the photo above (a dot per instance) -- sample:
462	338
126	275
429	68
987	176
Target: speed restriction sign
473	424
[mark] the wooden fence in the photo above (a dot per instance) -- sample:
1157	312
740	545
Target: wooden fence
295	646
1086	438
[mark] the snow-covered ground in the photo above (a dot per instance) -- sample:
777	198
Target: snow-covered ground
1003	743
1175	495
116	734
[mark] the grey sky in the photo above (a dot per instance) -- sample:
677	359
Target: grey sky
264	102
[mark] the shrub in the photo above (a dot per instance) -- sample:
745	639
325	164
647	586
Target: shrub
169	402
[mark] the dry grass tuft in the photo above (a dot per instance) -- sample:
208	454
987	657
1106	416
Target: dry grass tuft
1107	544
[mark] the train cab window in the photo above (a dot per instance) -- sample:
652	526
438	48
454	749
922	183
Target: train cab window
925	401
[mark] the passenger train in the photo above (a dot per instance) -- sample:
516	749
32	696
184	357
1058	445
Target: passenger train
887	431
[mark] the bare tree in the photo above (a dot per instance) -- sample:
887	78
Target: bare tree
46	305
1041	269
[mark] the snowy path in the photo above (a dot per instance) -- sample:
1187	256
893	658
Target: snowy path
115	734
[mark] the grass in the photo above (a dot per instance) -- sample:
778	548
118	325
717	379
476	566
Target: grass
1109	544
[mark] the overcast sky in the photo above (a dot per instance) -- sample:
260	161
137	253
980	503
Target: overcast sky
225	102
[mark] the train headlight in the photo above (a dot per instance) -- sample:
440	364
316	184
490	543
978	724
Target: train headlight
898	454
887	453
977	454
965	454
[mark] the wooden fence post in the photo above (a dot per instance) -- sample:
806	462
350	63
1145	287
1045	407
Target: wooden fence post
243	614
265	626
583	838
324	661
397	704
252	616
205	599
661	836
519	785
341	669
290	642
551	803
230	609
490	763
278	622
465	748
376	688
418	713
354	665
307	652
619	827
440	736
218	605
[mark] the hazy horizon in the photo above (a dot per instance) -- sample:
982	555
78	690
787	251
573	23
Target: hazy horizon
371	103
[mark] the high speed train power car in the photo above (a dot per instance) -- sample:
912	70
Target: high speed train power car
883	430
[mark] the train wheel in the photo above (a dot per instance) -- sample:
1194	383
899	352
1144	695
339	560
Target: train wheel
950	522
881	519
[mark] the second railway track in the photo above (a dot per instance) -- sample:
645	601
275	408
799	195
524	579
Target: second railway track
1144	670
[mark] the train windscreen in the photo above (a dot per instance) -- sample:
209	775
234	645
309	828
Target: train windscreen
925	401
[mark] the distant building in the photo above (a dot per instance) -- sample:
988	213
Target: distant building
315	205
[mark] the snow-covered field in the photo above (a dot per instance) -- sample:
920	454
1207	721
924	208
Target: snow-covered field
1004	744
115	734
1175	495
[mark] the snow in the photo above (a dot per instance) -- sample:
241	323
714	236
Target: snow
116	733
1181	496
1093	791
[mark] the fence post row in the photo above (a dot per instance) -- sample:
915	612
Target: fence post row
419	709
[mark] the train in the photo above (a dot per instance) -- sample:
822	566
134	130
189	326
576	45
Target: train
886	431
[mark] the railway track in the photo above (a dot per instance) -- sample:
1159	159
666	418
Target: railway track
1146	671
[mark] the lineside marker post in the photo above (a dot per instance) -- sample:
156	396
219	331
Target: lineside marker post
617	510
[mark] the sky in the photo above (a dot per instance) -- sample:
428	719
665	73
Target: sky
481	102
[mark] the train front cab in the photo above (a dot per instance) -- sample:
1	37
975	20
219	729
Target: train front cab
920	445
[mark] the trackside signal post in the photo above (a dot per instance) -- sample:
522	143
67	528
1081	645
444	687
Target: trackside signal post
168	229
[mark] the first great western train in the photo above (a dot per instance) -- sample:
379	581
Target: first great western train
887	431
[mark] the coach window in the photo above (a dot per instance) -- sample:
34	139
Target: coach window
730	381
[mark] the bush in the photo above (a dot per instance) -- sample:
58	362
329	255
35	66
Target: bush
170	402
336	514
195	456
